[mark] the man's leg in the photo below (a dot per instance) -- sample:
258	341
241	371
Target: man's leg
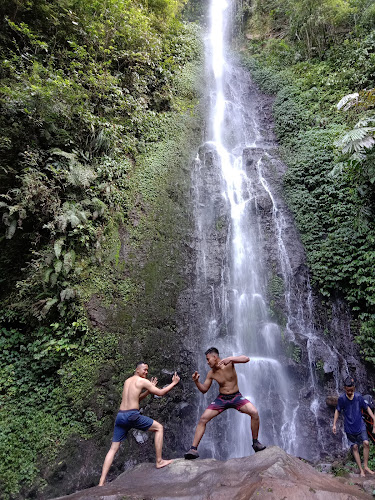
207	415
159	431
250	409
108	461
366	451
199	431
357	459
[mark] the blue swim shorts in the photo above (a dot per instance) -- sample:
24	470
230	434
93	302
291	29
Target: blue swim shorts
129	419
357	438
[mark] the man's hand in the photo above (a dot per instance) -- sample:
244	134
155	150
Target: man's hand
225	361
175	378
334	428
153	381
195	376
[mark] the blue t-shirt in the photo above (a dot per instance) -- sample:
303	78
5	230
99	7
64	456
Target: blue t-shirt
353	421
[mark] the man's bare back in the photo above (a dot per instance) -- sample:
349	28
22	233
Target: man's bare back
135	389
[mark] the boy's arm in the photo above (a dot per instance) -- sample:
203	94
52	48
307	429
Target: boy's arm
370	412
234	359
144	394
335	421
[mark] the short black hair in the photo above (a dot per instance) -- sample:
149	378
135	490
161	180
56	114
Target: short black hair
212	350
349	382
140	363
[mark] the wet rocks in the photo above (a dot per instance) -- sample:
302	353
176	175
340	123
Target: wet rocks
270	474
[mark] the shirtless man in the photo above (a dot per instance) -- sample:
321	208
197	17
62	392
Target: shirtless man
129	416
224	372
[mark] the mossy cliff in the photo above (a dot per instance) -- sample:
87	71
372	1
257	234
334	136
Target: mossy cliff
100	119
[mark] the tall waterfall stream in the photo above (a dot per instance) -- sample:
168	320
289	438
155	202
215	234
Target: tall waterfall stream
252	291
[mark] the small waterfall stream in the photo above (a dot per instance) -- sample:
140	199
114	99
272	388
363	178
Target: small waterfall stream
248	258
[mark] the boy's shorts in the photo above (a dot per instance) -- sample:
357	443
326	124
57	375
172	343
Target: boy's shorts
129	419
357	438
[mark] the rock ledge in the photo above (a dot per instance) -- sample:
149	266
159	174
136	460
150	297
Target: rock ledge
271	474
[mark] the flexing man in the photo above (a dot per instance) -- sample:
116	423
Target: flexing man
351	404
224	372
135	389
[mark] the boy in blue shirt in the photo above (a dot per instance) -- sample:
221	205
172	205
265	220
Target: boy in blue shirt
351	404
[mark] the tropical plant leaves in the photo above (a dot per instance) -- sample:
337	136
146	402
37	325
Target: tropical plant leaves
348	101
358	139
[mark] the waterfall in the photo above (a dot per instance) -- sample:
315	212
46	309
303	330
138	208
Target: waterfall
245	241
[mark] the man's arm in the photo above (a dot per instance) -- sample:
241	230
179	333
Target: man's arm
153	381
161	392
207	383
370	412
234	359
335	421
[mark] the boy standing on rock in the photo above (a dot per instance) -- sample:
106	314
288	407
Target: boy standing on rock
351	404
135	389
224	372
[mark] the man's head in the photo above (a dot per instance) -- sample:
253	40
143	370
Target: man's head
349	387
212	356
141	369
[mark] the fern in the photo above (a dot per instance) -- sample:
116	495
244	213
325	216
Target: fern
359	139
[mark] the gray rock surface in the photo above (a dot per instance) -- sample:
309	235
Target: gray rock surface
271	474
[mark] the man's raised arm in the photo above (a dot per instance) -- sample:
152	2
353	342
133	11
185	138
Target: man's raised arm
234	359
161	392
206	385
144	394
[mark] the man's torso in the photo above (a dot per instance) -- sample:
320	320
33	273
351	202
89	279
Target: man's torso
226	377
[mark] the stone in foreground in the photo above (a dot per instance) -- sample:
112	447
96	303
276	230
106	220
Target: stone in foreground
271	475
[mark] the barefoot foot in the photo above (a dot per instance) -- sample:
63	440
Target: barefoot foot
362	473
163	463
369	471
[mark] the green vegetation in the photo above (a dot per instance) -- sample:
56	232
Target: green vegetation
310	55
293	351
99	116
275	287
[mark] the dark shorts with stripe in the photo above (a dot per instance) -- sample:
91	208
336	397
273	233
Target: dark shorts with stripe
225	401
357	438
129	419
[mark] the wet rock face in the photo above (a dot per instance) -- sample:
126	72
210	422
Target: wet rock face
270	474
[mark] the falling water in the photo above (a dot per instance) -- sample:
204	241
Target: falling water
239	217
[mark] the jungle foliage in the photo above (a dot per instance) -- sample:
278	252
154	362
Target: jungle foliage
317	58
96	98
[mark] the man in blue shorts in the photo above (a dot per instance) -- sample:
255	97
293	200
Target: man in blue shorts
351	404
135	389
224	373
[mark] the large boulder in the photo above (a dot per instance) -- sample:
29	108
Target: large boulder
271	474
